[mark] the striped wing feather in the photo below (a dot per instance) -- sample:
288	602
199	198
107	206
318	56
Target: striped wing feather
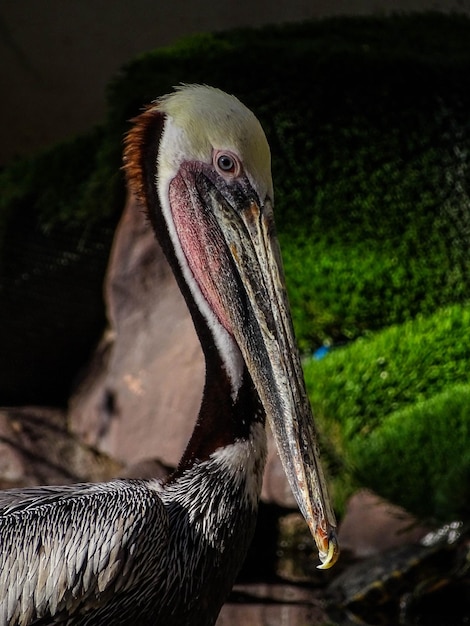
67	549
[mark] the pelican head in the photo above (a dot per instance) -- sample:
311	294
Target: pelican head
201	162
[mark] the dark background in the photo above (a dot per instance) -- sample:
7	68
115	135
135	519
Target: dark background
57	57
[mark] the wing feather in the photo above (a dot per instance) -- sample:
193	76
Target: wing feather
66	549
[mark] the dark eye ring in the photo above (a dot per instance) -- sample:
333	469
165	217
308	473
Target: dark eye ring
226	163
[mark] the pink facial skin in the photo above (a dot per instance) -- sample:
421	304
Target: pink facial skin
202	242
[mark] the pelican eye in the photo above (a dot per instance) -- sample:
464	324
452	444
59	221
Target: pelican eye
227	163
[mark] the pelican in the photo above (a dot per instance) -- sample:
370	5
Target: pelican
145	552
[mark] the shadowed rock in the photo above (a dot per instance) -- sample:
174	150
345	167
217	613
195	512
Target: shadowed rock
36	448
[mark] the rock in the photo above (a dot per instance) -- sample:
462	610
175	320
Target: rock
372	525
36	448
141	394
144	386
265	604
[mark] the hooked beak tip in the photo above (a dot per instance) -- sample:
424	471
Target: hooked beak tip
330	555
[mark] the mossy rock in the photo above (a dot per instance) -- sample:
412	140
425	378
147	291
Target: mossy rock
394	410
423	452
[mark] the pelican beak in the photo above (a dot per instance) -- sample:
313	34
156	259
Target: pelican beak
251	302
274	364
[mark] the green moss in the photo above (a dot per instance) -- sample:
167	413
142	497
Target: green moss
51	187
375	376
357	389
419	457
381	227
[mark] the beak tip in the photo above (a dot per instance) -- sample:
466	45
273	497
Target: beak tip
331	555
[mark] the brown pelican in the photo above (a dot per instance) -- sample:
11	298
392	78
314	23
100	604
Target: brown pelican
142	552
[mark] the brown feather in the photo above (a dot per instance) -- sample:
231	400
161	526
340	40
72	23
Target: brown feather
140	152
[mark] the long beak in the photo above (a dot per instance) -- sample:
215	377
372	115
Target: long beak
257	313
279	378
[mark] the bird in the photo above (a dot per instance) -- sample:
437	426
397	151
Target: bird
151	552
